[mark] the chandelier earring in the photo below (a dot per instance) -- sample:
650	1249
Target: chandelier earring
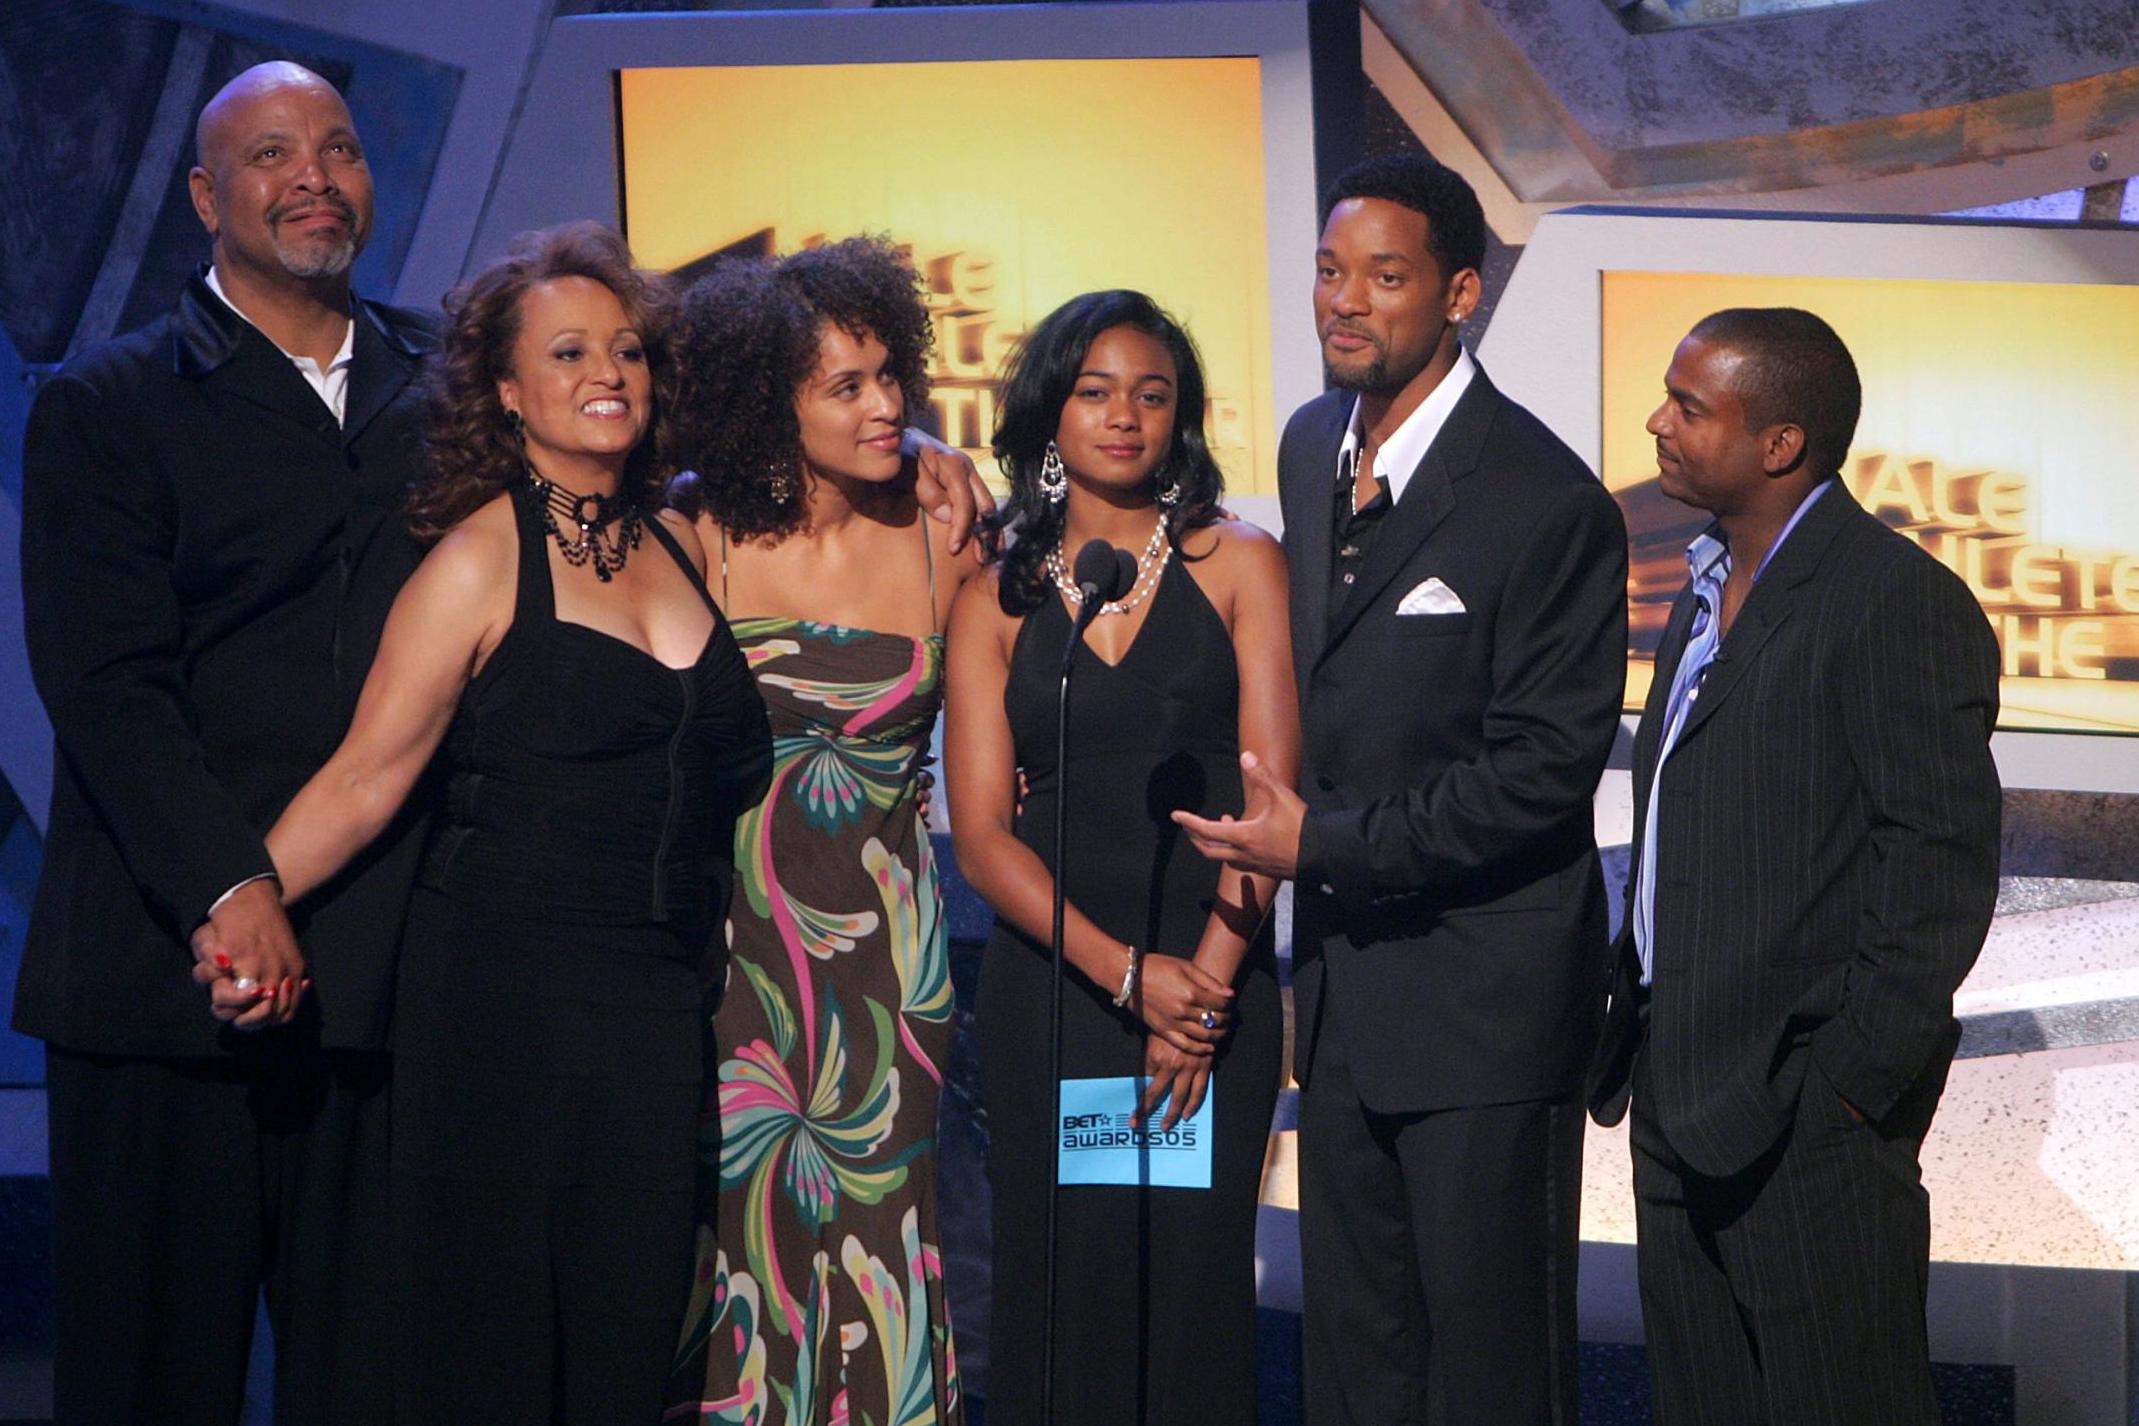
516	424
1168	493
1054	480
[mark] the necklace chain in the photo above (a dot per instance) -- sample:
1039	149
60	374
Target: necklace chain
1150	565
589	516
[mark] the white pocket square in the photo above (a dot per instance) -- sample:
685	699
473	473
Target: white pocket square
1430	597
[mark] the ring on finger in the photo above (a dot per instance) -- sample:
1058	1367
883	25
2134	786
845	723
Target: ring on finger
245	985
1210	1019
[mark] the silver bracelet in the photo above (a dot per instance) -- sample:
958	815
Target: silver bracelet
1128	979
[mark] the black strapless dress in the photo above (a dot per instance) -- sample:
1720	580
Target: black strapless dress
550	1015
1155	1309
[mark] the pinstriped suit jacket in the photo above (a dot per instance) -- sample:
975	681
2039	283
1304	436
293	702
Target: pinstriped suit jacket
1827	843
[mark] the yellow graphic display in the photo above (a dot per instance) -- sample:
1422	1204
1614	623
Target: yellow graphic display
1999	432
1014	184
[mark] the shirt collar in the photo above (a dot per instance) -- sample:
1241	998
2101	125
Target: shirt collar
342	358
1400	455
1708	558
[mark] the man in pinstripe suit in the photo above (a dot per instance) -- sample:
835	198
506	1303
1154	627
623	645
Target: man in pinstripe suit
1815	863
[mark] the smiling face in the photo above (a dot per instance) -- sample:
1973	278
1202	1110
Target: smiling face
579	380
1117	425
282	182
1383	308
1705	455
851	409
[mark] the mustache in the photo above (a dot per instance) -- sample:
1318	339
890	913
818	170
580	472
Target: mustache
1333	328
340	207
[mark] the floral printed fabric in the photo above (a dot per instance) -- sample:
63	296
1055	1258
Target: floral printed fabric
819	1298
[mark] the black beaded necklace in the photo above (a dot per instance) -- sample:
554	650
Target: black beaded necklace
590	515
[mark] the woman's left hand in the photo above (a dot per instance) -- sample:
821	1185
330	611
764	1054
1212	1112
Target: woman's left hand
1186	1077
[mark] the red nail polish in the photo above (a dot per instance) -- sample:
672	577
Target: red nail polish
222	961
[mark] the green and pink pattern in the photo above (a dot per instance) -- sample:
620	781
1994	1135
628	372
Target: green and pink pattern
819	1299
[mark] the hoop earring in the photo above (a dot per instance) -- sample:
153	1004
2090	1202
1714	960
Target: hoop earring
1169	494
1054	480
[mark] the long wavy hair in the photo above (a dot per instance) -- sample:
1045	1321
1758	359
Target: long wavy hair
474	452
1037	385
749	337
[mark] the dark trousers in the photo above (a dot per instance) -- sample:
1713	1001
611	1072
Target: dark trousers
1437	1256
183	1187
1791	1293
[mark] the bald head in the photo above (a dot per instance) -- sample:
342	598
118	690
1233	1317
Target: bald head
212	131
280	180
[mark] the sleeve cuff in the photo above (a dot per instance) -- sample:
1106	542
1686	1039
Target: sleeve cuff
217	904
1865	1078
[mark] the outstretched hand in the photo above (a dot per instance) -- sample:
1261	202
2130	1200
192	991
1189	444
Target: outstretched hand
1265	838
948	485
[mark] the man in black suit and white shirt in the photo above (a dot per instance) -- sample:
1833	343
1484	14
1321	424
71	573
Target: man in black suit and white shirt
1459	627
211	539
1816	860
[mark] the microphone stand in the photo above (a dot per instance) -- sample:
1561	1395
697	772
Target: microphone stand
1094	588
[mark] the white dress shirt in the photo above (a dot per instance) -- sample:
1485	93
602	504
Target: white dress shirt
1400	455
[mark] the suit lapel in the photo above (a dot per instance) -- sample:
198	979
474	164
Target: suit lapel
1428	497
1309	530
382	365
1776	594
1657	706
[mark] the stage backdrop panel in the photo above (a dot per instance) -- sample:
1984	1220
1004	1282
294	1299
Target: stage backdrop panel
1996	434
1014	184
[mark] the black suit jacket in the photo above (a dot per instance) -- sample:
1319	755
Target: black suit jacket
208	560
1449	917
1827	843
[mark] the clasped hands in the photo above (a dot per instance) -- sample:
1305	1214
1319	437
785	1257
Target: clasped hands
246	954
1188	1012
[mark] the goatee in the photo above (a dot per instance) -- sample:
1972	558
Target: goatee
1374	376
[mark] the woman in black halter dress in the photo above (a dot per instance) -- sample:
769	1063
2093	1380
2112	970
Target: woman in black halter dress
597	717
1172	976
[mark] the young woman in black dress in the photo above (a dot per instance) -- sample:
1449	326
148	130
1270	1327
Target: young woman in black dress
1171	966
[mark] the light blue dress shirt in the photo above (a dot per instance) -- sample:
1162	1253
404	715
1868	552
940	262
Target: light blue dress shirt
1708	561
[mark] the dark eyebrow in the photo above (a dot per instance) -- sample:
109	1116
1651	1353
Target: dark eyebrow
1684	397
1110	376
1393	257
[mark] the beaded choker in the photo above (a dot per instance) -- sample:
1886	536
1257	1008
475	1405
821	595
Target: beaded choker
589	515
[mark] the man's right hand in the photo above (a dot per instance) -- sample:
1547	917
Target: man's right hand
247	955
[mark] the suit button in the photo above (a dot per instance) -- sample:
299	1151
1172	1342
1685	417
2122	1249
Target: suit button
1326	782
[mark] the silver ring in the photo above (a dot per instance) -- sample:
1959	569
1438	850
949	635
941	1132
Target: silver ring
244	983
1210	1019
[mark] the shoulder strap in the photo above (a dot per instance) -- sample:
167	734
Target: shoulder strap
683	561
928	552
536	595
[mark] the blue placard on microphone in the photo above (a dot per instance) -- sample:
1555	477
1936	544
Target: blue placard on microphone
1100	1141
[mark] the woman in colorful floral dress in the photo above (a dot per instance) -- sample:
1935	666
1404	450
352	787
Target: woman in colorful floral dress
819	1299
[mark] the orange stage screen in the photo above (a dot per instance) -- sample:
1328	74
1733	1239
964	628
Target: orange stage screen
1998	432
1015	184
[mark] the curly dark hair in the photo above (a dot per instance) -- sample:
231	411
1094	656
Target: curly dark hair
473	451
1037	385
1455	223
749	338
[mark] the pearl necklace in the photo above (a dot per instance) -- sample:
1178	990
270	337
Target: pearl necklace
1149	566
